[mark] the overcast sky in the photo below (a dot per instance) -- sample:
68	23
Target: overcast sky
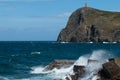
41	20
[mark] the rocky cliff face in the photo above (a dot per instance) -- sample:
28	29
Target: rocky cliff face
88	24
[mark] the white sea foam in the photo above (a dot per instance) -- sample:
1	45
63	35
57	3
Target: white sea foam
13	55
35	53
55	73
3	78
91	69
64	42
105	42
37	70
114	42
91	42
82	61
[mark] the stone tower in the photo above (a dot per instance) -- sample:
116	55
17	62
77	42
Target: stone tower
86	3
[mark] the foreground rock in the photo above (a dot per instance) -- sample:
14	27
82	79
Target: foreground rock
91	25
78	72
111	70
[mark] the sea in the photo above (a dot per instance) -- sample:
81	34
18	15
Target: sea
26	60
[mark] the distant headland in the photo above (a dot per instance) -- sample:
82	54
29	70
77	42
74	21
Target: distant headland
91	25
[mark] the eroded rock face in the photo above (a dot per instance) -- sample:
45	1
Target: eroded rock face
88	24
117	36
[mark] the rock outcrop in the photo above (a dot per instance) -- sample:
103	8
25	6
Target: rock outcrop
59	64
88	24
78	72
111	70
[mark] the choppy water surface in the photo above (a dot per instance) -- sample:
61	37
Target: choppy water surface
26	60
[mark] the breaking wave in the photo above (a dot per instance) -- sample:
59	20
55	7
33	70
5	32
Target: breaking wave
54	74
91	69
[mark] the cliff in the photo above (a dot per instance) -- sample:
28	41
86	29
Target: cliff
88	24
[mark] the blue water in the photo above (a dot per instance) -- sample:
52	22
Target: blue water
18	58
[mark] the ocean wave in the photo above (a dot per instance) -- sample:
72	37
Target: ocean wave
38	70
3	78
91	69
35	53
54	73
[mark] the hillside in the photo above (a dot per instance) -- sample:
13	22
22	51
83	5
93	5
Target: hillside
88	24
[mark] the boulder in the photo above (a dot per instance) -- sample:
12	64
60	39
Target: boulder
78	69
111	70
78	72
116	60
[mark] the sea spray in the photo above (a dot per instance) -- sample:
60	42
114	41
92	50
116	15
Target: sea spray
54	73
3	78
17	62
91	69
37	70
82	61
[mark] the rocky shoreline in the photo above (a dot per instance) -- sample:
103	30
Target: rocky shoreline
110	70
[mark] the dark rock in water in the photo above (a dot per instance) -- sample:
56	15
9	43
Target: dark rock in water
111	70
88	24
92	61
59	64
78	72
78	69
116	60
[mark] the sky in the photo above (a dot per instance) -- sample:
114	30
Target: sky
42	20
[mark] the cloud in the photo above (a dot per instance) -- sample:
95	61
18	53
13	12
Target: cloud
66	14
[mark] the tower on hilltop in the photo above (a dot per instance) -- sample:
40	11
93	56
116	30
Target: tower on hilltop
86	3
